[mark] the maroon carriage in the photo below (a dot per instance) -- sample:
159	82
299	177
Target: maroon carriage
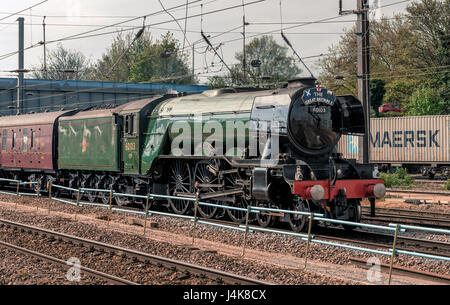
28	142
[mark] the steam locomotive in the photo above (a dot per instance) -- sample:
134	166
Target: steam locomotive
271	148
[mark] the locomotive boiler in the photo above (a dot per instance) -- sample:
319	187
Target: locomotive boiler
272	148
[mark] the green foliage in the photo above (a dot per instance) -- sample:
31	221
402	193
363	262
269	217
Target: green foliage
142	60
399	91
427	101
275	63
377	92
431	20
399	178
390	54
61	59
447	185
216	82
152	66
123	55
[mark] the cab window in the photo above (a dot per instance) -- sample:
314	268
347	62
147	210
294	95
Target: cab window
130	124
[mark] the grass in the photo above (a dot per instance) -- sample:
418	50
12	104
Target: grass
399	178
447	185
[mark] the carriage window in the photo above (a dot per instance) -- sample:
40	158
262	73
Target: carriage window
33	133
25	140
4	138
13	144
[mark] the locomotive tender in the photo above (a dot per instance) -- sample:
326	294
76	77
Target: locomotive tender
271	148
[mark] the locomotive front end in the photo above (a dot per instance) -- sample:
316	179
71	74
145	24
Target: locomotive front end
323	179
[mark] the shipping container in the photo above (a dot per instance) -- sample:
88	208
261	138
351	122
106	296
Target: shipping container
404	140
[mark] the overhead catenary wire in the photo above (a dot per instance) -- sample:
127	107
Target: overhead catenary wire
176	21
303	23
25	9
78	36
99	16
262	33
185	23
209	43
74	36
286	40
192	16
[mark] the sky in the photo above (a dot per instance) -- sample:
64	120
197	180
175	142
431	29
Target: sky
69	17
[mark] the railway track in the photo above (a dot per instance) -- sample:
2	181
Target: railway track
384	241
378	240
427	181
441	193
403	216
101	275
397	211
400	270
216	276
371	240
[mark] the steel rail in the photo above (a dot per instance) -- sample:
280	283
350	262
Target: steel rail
213	274
406	243
404	219
441	278
442	193
397	211
111	278
413	217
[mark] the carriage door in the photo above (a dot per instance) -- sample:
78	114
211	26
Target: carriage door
131	143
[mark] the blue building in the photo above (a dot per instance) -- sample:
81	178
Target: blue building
51	95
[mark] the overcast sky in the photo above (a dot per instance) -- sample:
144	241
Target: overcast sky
69	17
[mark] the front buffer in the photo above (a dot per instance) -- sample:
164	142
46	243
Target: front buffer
340	199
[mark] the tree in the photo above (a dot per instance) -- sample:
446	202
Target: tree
275	63
399	91
407	52
377	92
61	59
123	54
217	81
140	60
390	55
162	61
430	19
427	101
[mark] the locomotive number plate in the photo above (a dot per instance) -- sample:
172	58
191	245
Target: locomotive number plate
130	146
319	109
